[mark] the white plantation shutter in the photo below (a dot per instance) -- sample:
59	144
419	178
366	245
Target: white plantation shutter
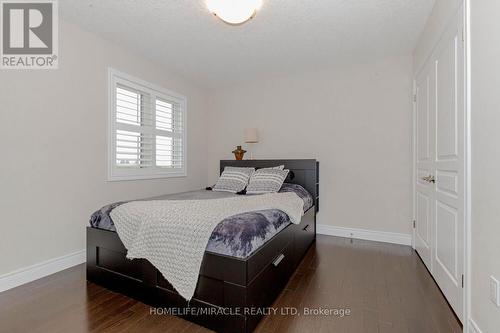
147	130
169	140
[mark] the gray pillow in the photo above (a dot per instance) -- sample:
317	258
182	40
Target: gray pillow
233	179
266	181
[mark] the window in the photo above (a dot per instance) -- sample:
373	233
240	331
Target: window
147	130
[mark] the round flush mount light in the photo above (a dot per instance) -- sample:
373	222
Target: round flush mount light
234	11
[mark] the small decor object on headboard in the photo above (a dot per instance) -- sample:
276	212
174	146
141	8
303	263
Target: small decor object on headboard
238	153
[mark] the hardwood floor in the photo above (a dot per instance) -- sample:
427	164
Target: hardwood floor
386	288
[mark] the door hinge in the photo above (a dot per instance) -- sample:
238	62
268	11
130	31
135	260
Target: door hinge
414	224
462	280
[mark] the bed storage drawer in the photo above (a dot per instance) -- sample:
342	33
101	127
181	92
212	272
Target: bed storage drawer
305	234
107	265
267	285
111	257
115	261
207	289
270	281
267	254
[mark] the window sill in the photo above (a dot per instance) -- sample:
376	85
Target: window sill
114	178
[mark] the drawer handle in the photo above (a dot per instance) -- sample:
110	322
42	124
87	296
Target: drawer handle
306	227
277	261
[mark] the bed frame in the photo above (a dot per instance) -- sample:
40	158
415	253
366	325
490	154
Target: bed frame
230	290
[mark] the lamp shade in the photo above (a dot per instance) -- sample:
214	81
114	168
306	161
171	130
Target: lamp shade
251	135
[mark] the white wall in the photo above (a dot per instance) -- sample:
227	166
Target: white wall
485	73
53	148
354	120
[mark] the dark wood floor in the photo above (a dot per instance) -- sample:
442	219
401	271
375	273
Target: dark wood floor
385	286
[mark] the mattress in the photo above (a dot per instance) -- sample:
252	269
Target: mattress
237	236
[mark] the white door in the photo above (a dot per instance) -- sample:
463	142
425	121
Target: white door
424	191
440	164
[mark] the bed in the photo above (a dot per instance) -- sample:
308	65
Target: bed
233	282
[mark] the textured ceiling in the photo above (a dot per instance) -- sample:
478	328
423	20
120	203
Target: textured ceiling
285	36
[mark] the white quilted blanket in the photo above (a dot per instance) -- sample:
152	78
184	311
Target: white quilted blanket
173	234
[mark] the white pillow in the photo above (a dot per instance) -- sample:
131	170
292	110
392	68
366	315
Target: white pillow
233	179
266	181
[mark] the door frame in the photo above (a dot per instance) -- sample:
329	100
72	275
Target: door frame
463	9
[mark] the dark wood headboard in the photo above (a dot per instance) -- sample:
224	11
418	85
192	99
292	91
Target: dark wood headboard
302	172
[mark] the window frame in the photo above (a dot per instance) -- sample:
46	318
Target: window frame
114	173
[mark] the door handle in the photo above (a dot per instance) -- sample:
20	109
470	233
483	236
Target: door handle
429	179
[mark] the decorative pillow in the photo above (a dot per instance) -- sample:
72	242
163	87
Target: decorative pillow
266	181
279	167
233	179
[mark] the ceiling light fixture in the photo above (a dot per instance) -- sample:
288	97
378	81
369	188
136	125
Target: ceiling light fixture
234	12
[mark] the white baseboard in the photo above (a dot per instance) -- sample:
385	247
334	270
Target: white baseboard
40	270
473	328
377	236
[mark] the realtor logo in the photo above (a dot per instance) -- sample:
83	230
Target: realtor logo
29	34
